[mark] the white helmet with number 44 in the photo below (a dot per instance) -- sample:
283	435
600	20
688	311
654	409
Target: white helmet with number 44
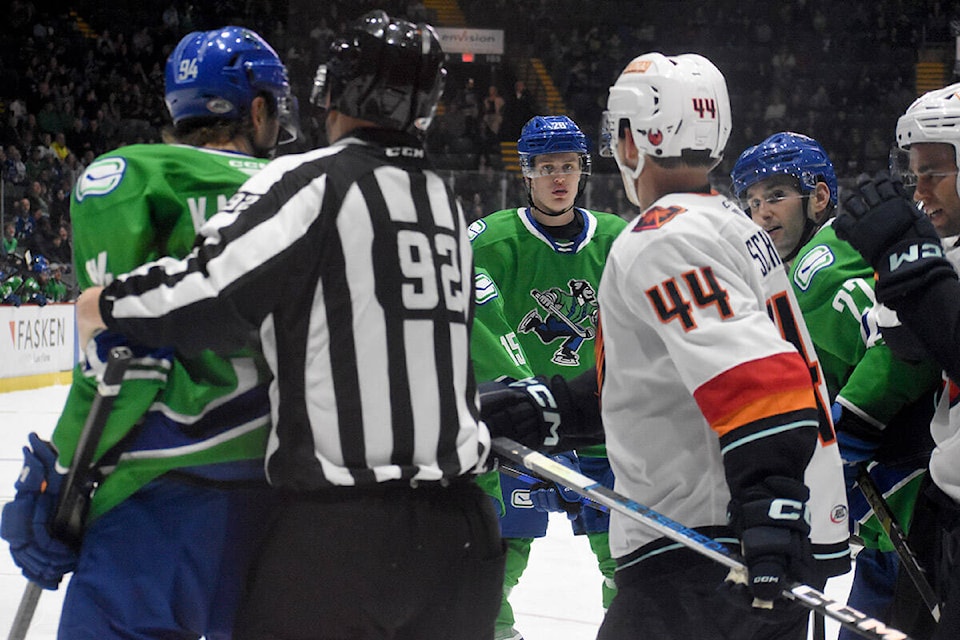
675	107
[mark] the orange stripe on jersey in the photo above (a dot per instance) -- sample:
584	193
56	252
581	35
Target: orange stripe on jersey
755	390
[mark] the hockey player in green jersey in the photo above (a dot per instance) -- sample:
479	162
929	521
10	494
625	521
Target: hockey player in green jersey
546	260
182	497
882	405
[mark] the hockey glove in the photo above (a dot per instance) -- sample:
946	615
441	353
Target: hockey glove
27	519
550	496
554	415
895	237
97	351
522	410
772	523
858	441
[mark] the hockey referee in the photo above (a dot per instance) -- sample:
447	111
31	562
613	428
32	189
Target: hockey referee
352	263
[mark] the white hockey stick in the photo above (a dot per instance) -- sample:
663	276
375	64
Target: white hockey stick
805	595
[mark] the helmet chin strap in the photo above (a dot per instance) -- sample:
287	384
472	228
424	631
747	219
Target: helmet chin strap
629	176
552	214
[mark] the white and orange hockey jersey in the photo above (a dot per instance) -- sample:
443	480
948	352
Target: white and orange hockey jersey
708	374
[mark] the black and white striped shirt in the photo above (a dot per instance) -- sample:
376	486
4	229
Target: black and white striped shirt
353	263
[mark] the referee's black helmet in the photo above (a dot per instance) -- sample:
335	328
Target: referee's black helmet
385	70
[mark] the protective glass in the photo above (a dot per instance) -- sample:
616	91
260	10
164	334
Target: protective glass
751	205
551	169
900	170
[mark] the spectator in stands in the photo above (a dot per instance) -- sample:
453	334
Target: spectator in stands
39	198
9	238
468	102
518	109
8	132
14	169
52	285
23	219
60	250
776	110
60	203
493	112
59	145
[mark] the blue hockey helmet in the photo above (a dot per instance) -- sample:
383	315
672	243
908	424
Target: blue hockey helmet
40	264
385	70
551	134
785	153
217	74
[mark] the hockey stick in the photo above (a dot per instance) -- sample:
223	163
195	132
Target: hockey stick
888	521
74	499
526	478
805	595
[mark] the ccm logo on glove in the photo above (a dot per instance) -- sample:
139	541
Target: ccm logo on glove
785	509
915	253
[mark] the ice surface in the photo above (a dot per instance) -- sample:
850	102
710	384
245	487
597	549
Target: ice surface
558	597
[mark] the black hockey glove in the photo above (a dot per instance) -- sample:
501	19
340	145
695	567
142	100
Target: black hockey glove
522	410
894	236
548	416
772	523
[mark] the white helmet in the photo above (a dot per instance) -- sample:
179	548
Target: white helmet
933	117
675	105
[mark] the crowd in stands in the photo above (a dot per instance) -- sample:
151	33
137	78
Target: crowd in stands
842	77
83	78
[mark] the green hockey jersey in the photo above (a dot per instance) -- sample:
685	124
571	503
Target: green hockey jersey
548	286
206	416
835	289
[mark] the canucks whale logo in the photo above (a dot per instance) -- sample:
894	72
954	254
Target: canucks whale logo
100	178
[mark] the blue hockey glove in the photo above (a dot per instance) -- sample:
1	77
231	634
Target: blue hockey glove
858	441
550	496
896	238
26	520
771	521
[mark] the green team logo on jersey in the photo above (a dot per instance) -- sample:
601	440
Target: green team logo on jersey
484	288
816	259
476	228
569	315
100	178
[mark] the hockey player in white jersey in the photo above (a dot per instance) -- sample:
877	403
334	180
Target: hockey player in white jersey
712	399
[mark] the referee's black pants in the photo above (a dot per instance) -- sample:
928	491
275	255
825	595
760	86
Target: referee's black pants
390	561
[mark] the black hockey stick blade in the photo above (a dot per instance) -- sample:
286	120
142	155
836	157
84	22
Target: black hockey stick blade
811	598
74	494
890	525
71	507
